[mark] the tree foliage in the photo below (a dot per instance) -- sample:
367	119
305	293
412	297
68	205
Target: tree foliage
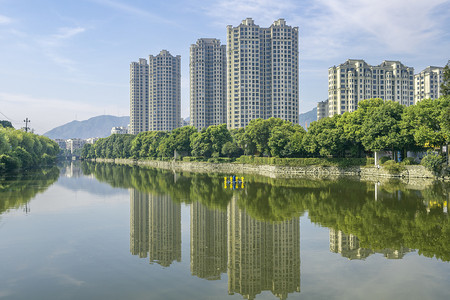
376	125
19	149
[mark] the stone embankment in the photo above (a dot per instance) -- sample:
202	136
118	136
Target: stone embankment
364	172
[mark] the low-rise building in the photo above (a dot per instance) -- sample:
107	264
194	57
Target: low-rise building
119	130
73	144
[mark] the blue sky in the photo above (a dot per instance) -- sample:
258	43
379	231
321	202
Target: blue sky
63	60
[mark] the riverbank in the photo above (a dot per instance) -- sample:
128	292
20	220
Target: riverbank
410	172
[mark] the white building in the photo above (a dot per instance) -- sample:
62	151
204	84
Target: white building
119	130
427	84
73	144
164	91
207	68
355	80
262	73
139	110
322	109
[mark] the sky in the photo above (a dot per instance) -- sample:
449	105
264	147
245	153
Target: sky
65	60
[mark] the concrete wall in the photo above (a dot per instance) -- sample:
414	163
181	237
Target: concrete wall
367	173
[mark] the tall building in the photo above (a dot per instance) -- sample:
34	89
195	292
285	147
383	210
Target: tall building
262	73
164	91
207	69
322	109
155	93
427	84
139	113
208	242
262	256
355	80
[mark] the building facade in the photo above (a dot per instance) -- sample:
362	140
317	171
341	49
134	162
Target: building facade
139	109
119	130
155	93
355	80
427	84
164	91
207	68
322	109
262	73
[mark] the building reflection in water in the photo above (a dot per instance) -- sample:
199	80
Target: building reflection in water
155	227
259	256
348	246
208	242
262	255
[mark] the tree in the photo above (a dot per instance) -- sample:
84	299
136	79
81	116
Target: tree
445	85
210	141
5	124
325	138
425	123
381	128
257	134
281	141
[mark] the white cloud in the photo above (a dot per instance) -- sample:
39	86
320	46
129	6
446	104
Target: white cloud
5	20
51	46
333	28
264	12
67	32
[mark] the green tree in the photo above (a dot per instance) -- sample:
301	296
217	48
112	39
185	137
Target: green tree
257	134
445	85
210	141
381	128
424	123
325	138
5	124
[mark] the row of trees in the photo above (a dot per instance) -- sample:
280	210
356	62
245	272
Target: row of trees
19	149
376	125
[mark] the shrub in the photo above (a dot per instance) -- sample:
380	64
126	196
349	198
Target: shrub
370	161
393	167
383	159
433	162
409	161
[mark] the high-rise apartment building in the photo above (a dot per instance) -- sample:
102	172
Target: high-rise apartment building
322	109
427	84
155	93
164	91
262	72
139	96
355	80
207	68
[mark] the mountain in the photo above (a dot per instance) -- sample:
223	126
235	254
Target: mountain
307	117
99	126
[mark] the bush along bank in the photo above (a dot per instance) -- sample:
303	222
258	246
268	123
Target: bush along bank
23	150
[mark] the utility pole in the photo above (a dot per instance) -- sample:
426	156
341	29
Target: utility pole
26	124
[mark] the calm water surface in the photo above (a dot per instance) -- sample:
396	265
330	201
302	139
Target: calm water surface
98	231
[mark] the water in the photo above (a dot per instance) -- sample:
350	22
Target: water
118	232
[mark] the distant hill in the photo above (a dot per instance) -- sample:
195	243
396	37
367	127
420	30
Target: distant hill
307	117
99	126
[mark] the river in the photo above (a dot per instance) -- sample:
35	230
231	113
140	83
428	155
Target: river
102	231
